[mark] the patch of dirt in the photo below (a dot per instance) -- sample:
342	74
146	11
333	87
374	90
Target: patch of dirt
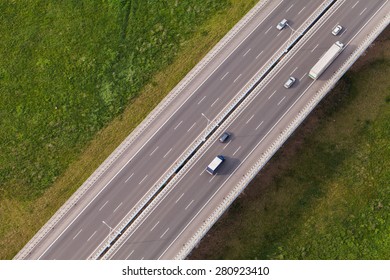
226	225
374	51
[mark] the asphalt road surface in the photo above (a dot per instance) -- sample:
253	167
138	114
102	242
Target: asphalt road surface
178	215
80	233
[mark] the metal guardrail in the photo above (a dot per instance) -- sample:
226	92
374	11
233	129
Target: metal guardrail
200	139
217	121
224	205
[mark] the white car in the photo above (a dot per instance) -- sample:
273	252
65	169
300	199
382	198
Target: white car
289	82
281	24
336	30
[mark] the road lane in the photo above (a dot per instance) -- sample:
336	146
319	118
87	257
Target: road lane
172	138
272	102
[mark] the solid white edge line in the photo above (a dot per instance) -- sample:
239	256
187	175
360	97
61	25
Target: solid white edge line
120	246
147	141
256	146
234	171
248	154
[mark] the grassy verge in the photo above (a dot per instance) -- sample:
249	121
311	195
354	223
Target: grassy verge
69	67
326	193
76	78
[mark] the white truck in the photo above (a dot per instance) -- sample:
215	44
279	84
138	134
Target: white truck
326	59
213	166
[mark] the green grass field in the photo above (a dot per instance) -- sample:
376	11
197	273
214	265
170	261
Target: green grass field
69	67
326	193
76	77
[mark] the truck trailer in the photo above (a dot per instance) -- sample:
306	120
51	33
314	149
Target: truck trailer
213	166
327	58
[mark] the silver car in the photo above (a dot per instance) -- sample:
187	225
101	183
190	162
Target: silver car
281	24
336	30
289	82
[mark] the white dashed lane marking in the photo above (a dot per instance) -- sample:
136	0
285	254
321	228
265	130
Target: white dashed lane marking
178	125
237	78
155	226
167	152
104	205
91	236
224	76
142	180
189	204
118	207
164	233
247	52
77	234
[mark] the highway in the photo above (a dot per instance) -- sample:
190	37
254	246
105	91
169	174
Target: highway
177	216
122	188
144	165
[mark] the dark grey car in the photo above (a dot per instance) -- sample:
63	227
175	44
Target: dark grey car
224	137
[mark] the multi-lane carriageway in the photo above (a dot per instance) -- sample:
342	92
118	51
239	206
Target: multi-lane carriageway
178	214
250	129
